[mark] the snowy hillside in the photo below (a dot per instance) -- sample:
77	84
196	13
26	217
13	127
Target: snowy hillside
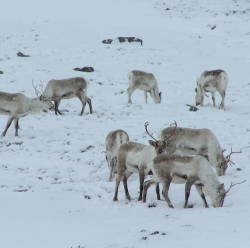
54	188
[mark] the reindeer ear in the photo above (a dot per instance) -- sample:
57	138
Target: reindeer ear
152	143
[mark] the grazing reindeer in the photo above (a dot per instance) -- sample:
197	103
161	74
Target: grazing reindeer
189	170
143	81
198	142
136	157
18	105
56	90
211	81
113	141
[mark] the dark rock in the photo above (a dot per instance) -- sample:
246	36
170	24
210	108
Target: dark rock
84	69
20	190
107	41
213	27
154	233
1	72
20	54
192	108
121	39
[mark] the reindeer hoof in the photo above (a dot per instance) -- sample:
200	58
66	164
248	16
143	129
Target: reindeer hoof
189	206
115	199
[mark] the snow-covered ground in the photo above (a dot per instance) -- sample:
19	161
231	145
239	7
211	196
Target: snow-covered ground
54	191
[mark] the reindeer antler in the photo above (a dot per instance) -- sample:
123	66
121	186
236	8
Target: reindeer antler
146	128
38	91
35	88
228	157
232	185
173	132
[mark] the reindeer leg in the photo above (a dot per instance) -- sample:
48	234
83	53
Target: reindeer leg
129	92
8	125
90	105
222	100
84	99
157	189
57	102
146	96
112	165
146	185
16	126
213	98
126	188
188	186
83	105
141	178
118	180
199	189
165	190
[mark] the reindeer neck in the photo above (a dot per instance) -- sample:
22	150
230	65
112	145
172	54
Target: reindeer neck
34	105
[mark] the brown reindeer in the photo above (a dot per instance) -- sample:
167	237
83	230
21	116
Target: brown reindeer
56	90
17	105
211	81
113	141
143	81
136	157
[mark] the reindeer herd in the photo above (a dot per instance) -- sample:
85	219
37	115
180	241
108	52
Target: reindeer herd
181	155
18	105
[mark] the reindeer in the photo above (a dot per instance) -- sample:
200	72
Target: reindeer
197	142
191	170
113	141
136	157
18	105
143	81
56	90
211	81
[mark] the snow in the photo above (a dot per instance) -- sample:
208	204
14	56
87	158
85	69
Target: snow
54	190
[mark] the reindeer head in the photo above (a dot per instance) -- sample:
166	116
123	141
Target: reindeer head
159	145
199	97
222	193
220	196
46	103
156	95
224	162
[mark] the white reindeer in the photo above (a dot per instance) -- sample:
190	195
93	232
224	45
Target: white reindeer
189	170
56	90
143	81
197	141
18	105
113	141
136	157
211	81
